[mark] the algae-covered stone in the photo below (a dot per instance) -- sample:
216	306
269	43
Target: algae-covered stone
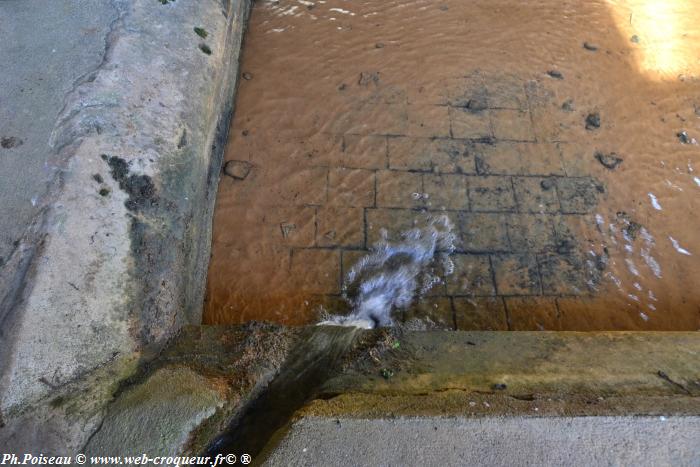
157	417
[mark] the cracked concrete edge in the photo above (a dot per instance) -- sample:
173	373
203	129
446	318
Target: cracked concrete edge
98	279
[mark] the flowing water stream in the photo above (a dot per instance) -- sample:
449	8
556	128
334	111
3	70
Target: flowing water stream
554	145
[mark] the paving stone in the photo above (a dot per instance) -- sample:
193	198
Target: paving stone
428	92
371	118
463	91
533	313
472	276
531	232
428	121
395	221
506	92
535	194
583	314
275	187
562	274
568	232
578	195
436	309
516	274
277	226
544	113
575	160
399	189
316	271
483	232
351	187
491	193
317	150
540	159
445	191
364	152
469	124
441	155
337	226
514	125
453	156
480	314
501	158
406	153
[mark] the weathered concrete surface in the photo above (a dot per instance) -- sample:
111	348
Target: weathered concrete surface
525	363
177	404
394	374
44	52
497	441
114	264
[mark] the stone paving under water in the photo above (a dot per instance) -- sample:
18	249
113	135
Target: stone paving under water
330	151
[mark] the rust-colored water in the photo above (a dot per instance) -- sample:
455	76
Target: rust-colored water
357	116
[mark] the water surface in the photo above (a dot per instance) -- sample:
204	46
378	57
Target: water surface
558	137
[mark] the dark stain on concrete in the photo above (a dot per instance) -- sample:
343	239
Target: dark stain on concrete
9	142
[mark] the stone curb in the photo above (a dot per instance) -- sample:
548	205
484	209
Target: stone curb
116	263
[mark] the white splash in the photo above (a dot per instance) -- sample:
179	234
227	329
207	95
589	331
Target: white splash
341	11
395	274
654	201
678	247
646	253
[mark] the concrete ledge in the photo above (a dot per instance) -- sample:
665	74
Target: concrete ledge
497	441
116	263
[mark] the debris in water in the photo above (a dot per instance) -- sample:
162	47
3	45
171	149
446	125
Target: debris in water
609	161
287	229
238	170
593	121
397	273
368	77
685	139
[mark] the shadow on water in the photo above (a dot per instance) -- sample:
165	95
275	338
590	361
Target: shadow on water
314	360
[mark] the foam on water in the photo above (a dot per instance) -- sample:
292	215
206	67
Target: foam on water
397	273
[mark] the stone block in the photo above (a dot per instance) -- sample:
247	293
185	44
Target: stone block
470	124
351	187
491	194
535	194
533	314
445	192
513	125
483	232
480	314
516	274
399	189
472	276
337	226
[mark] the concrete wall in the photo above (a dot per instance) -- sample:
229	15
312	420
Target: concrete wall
115	262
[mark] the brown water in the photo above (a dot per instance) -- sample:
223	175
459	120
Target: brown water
353	117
